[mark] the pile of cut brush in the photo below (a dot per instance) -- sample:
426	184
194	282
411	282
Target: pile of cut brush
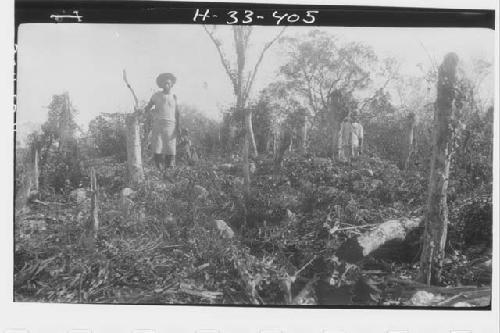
321	232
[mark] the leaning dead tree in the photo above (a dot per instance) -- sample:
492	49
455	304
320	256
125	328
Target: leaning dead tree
134	159
436	219
242	82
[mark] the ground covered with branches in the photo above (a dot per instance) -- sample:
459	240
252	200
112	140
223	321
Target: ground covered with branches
160	243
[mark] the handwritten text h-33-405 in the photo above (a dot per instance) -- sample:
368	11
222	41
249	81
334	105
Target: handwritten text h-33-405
250	17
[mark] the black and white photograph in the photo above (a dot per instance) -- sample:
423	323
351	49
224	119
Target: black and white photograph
254	165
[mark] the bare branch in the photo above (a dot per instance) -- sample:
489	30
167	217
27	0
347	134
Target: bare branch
431	59
252	74
224	61
136	100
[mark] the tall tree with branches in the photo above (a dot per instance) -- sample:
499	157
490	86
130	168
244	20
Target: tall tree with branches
242	80
326	73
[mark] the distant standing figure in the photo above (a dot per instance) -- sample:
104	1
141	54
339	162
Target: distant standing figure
351	138
165	122
357	137
345	139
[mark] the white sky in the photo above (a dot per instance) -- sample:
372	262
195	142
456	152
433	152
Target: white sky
87	61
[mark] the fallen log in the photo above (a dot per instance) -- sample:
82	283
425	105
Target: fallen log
355	249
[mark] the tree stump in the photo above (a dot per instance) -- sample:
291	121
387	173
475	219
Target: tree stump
134	159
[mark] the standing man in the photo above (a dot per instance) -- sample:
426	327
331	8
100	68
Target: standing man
165	122
345	139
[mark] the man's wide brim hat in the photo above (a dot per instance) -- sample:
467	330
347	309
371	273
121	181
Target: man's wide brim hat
163	77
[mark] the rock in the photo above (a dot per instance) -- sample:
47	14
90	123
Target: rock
367	172
425	298
238	184
224	230
359	186
37	225
33	195
422	298
288	200
329	191
157	186
290	216
127	192
237	169
320	161
79	195
179	183
462	305
126	201
200	192
252	168
305	185
375	183
171	224
226	167
398	205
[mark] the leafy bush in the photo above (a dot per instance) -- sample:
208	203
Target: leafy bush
472	164
61	172
471	222
109	134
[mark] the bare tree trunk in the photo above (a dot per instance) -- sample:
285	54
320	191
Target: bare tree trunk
408	147
249	130
285	146
36	172
134	159
303	135
275	143
94	204
246	163
88	239
335	133
436	219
